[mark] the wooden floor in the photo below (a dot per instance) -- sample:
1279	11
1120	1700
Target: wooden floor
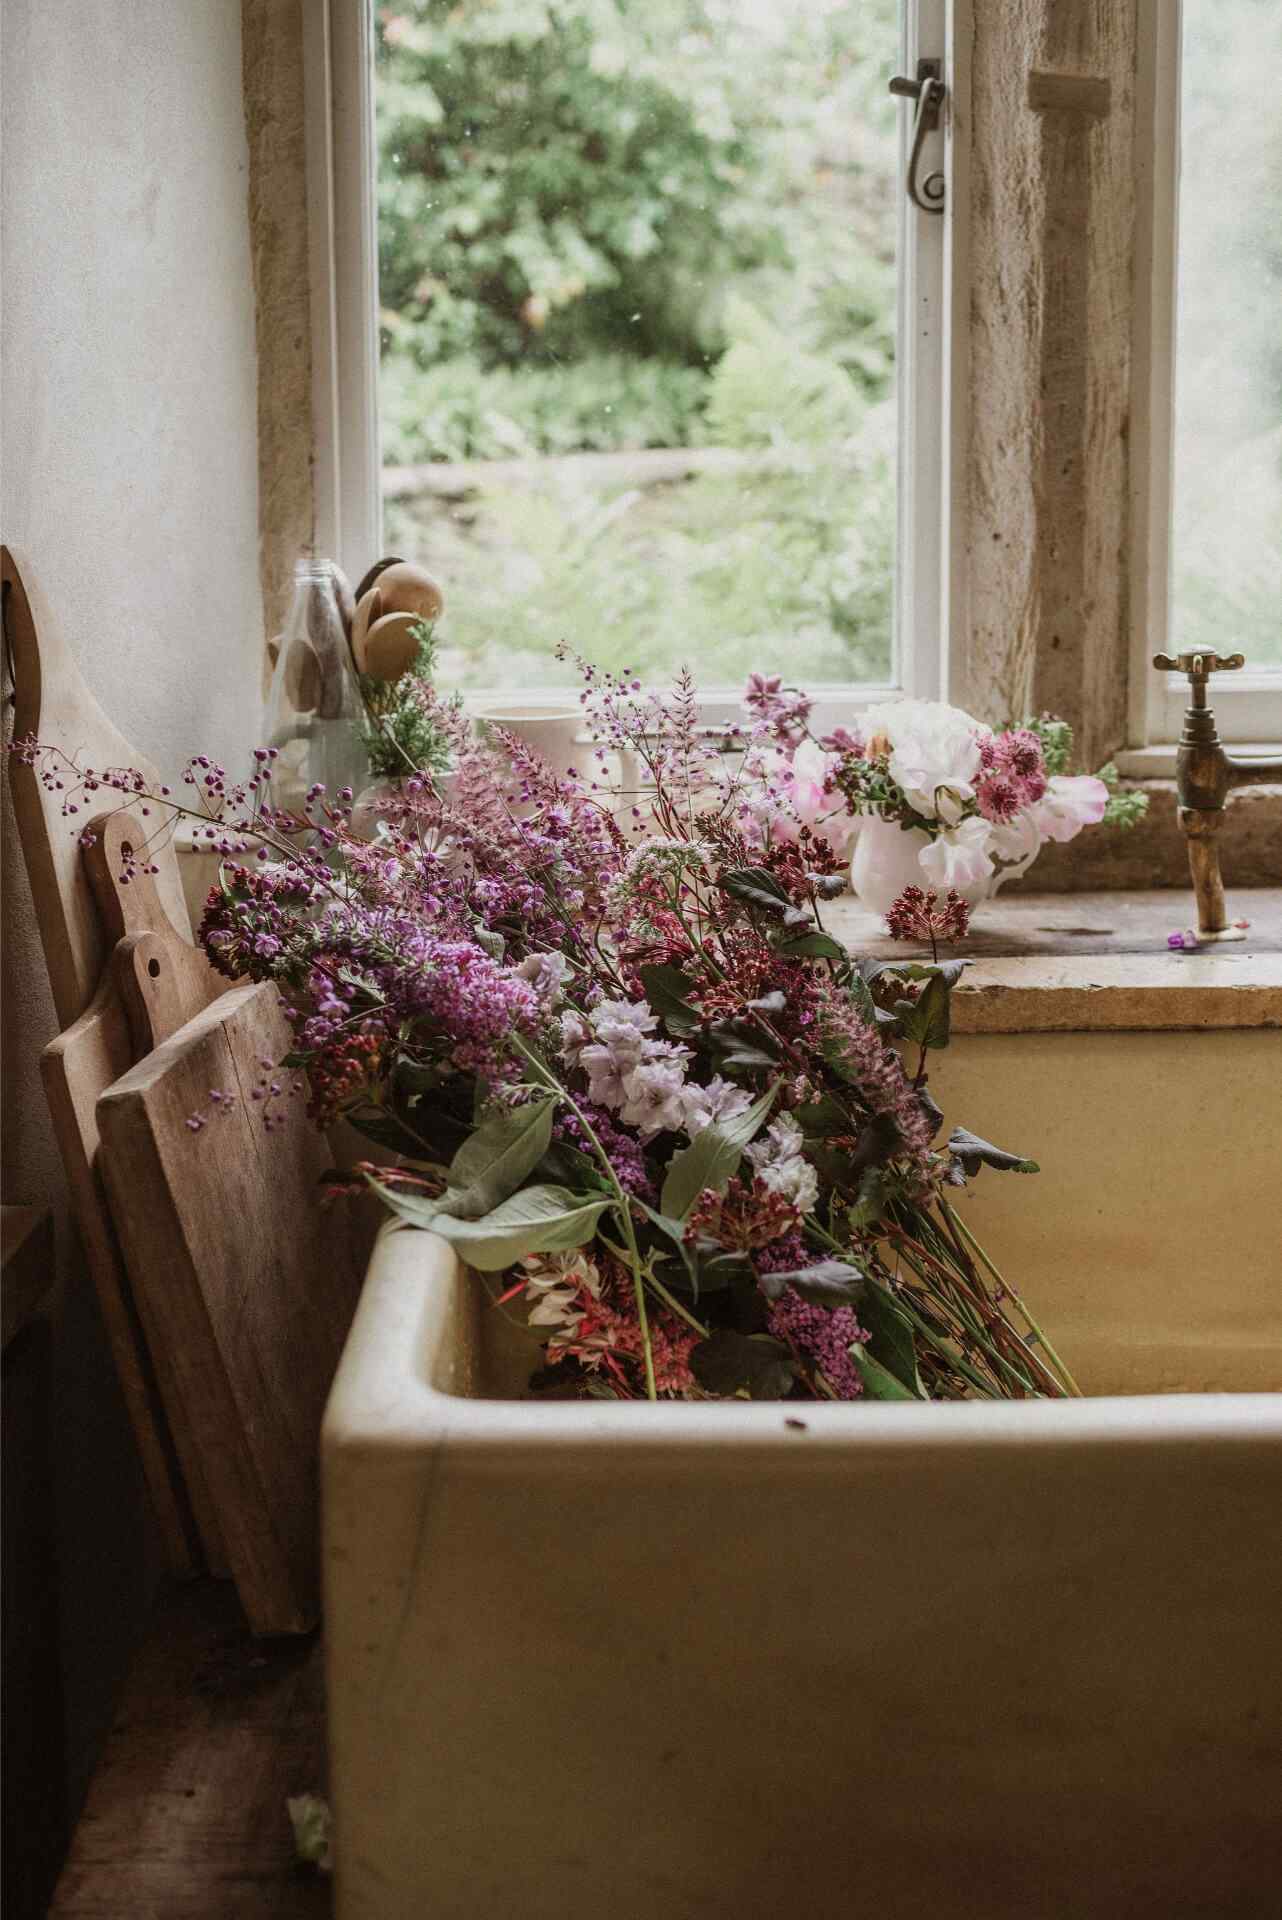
186	1815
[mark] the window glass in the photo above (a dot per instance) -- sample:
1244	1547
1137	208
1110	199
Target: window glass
637	297
1227	559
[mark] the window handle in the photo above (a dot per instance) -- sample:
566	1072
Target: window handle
929	91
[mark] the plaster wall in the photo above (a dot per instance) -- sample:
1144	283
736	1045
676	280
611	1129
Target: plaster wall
129	495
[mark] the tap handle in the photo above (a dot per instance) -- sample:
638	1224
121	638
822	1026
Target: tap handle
1198	665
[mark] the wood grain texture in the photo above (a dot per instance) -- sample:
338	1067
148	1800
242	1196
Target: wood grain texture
52	701
76	1068
132	1011
186	1816
243	1280
1047	471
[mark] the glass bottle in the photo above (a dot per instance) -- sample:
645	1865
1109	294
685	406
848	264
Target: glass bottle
314	709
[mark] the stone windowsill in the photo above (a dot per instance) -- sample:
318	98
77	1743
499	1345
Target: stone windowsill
1099	962
1060	962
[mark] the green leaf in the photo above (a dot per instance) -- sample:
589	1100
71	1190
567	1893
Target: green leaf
813	946
381	1125
504	1150
741	1043
925	1021
758	888
871	1201
828	1283
820	1119
731	1363
971	1152
879	1384
666	989
711	1159
535	1220
891	1346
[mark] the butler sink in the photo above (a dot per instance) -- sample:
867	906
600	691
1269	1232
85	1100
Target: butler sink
974	1661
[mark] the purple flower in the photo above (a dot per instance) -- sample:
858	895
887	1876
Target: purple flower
826	1335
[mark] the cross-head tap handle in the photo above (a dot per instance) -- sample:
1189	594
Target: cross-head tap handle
1199	662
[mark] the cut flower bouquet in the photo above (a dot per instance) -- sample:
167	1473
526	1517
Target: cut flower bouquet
632	1078
925	794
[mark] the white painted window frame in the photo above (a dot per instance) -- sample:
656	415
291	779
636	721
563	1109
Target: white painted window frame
933	302
1248	706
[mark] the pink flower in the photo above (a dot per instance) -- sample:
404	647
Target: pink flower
1071	802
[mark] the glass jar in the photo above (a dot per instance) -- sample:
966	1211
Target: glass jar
314	709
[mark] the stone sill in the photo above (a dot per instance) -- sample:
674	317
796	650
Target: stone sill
1099	963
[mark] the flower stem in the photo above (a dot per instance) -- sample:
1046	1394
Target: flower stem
622	1204
1045	1344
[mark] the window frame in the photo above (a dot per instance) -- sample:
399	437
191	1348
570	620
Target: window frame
1248	706
933	295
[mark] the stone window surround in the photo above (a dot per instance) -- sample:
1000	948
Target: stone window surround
1051	422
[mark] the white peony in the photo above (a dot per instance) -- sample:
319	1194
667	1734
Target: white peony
960	858
934	754
1016	839
1071	802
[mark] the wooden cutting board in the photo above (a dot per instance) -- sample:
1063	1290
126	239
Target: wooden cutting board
243	1279
154	981
79	923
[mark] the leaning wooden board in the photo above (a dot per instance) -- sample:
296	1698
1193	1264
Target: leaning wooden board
79	924
242	1278
136	1006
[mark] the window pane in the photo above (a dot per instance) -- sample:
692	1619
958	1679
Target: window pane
1227	575
638	316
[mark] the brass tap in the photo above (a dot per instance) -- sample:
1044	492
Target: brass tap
1204	776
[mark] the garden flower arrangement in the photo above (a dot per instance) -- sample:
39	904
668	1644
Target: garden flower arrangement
966	806
625	1069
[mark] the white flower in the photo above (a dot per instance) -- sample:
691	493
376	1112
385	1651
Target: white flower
1018	838
781	1166
553	1283
654	1091
791	794
934	754
1071	802
622	1023
547	973
575	1035
959	856
719	1100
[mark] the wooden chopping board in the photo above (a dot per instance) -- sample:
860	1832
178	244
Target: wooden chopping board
242	1278
154	981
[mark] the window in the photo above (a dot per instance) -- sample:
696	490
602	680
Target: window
654	344
1210	566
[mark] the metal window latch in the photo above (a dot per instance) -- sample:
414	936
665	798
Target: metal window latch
929	91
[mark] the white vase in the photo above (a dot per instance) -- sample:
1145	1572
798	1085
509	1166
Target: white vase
887	858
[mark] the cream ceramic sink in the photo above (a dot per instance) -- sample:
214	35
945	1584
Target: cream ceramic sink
593	1661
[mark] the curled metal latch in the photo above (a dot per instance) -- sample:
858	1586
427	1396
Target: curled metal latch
929	91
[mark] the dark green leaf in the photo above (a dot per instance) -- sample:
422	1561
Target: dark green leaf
741	1043
535	1220
666	989
813	946
829	1283
925	1021
820	1119
711	1159
504	1151
879	1382
731	1363
871	1203
972	1153
381	1125
891	1344
758	888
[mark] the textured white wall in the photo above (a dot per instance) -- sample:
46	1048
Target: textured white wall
128	492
